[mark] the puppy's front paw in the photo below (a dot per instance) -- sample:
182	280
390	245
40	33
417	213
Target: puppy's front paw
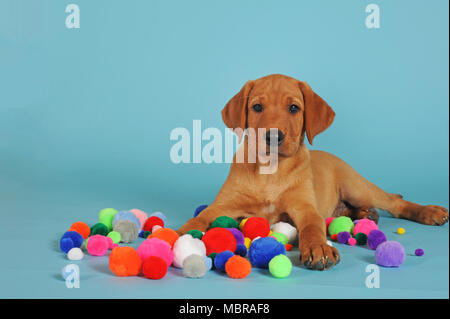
433	215
318	256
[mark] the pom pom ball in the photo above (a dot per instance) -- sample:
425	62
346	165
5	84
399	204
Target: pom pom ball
280	266
106	216
195	233
390	254
75	254
328	222
238	267
224	222
69	240
334	237
140	215
127	229
152	221
241	250
282	238
247	242
256	226
419	252
185	246
221	259
154	267
156	247
208	262
365	226
263	250
237	235
194	266
97	245
217	240
99	229
286	229
400	231
115	237
125	261
126	215
161	216
242	223
288	247
351	241
340	224
168	235
199	209
375	238
361	238
343	237
81	228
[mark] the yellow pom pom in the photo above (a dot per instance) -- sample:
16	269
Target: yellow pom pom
241	225
247	242
400	231
270	233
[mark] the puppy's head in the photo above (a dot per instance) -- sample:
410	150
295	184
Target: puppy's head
287	106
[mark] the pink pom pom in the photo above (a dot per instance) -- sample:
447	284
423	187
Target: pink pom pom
155	247
155	228
114	246
351	241
141	215
365	226
97	245
328	222
110	242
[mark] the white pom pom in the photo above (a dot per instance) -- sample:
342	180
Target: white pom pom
285	228
329	243
155	228
185	246
75	254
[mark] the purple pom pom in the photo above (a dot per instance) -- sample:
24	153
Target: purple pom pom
343	237
419	252
375	238
390	254
238	235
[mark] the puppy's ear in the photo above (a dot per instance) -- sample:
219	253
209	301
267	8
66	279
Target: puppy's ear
234	114
318	114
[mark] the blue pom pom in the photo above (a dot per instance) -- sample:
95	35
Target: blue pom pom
160	215
69	240
199	209
208	262
241	250
263	250
221	259
141	234
66	244
127	215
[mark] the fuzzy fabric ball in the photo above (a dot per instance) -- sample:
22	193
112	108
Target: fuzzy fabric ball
195	233
155	228
286	229
288	247
141	215
334	237
69	240
125	261
256	226
156	247
242	223
263	250
282	238
224	222
115	236
237	235
247	242
194	266
126	215
329	243
160	216
280	266
185	246
106	216
154	267
328	222
365	226
400	231
144	234
375	238
419	252
241	250
221	259
99	229
218	240
81	228
208	262
75	254
199	209
390	254
361	238
238	267
343	237
152	221
127	229
168	235
97	245
351	241
340	224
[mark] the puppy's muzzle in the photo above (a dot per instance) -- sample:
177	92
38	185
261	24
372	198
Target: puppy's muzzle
274	137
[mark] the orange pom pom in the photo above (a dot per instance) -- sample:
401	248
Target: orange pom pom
168	235
125	261
288	247
81	228
238	267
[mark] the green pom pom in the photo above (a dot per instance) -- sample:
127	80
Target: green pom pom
99	229
361	238
115	236
212	256
146	234
280	266
282	238
340	224
225	222
195	233
106	216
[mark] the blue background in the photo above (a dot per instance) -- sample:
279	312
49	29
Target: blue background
86	114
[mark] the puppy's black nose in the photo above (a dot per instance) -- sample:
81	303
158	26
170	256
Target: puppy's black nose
274	137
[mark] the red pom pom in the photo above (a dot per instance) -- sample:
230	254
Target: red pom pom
256	226
288	247
154	267
152	221
218	239
334	237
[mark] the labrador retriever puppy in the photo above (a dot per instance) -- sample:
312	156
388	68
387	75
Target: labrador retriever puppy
308	186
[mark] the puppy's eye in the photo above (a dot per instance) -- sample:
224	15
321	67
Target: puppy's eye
293	108
257	108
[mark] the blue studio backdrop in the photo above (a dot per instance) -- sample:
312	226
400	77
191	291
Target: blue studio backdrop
86	115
